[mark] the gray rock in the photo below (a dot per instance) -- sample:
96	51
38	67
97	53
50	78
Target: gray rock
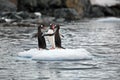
87	8
26	5
97	12
66	9
67	13
49	3
101	11
116	10
6	5
76	8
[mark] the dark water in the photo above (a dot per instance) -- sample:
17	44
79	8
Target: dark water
102	40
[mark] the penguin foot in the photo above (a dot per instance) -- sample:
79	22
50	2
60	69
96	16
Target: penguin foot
61	47
52	48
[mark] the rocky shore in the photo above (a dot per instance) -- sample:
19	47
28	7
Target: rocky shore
53	10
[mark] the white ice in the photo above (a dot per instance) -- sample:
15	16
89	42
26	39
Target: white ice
56	54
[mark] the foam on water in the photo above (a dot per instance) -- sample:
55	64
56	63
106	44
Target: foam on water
105	2
57	54
108	19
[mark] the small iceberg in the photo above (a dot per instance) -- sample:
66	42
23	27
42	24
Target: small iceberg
56	54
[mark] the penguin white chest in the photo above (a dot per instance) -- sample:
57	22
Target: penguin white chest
51	39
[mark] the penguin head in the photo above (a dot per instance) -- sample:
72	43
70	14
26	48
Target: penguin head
57	26
41	26
52	26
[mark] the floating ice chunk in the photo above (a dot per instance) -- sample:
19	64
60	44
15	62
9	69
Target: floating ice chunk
56	54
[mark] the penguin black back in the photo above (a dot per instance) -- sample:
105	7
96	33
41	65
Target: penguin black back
58	38
41	39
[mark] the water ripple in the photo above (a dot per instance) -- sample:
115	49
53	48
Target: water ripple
102	40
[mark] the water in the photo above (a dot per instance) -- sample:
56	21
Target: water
102	40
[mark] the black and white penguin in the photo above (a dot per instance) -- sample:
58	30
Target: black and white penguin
41	39
58	37
51	38
54	36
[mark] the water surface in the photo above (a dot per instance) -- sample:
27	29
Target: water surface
102	40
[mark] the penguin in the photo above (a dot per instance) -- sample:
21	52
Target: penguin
54	32
41	39
51	38
58	37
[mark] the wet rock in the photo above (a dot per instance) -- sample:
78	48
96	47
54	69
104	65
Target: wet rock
60	20
108	11
2	20
87	8
10	17
97	11
67	13
6	5
46	4
26	5
48	7
101	11
75	4
61	9
116	10
18	15
38	5
23	14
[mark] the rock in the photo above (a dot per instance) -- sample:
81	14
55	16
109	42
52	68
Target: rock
107	8
23	14
2	20
75	4
18	16
97	11
51	8
83	7
116	10
6	5
13	1
108	11
60	20
87	8
67	13
63	9
101	11
50	4
38	5
26	5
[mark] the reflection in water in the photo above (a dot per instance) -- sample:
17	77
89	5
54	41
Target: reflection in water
102	40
